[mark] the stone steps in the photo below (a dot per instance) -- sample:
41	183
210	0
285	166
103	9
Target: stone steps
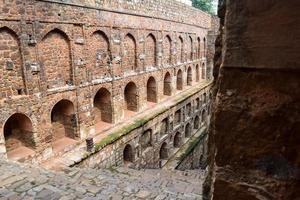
31	182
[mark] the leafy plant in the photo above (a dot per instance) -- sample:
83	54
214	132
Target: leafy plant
205	5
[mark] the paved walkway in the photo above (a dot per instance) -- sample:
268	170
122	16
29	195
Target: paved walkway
29	182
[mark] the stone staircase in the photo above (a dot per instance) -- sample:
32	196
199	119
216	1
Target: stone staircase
31	182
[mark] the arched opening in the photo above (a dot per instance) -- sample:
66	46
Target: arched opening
145	140
151	90
167	85
177	117
11	79
197	73
18	135
99	52
190	50
197	104
199	48
55	53
177	140
129	58
63	121
164	127
102	106
150	51
131	97
179	81
102	109
196	123
204	98
163	152
128	155
189	109
203	71
180	50
167	50
188	130
189	76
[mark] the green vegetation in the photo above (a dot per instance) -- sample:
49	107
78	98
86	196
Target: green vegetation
125	130
205	5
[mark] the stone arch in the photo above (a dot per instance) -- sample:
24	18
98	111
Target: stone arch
203	71
164	129
146	139
63	120
151	90
12	80
99	54
189	79
180	49
197	73
190	48
177	117
129	55
177	140
128	154
197	104
204	98
18	132
197	122
167	50
167	84
103	106
199	47
163	152
150	51
131	97
188	130
55	53
179	80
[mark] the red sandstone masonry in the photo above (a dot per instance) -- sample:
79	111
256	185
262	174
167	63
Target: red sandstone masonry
52	51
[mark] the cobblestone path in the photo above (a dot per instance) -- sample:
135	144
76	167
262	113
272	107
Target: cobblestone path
19	181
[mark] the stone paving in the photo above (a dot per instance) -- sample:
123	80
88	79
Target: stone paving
19	181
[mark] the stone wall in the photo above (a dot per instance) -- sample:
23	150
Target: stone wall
196	155
153	143
82	54
161	9
254	138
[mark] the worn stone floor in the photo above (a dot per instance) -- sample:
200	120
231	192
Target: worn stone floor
19	181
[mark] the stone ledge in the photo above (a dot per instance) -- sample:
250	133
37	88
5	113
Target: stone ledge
143	120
